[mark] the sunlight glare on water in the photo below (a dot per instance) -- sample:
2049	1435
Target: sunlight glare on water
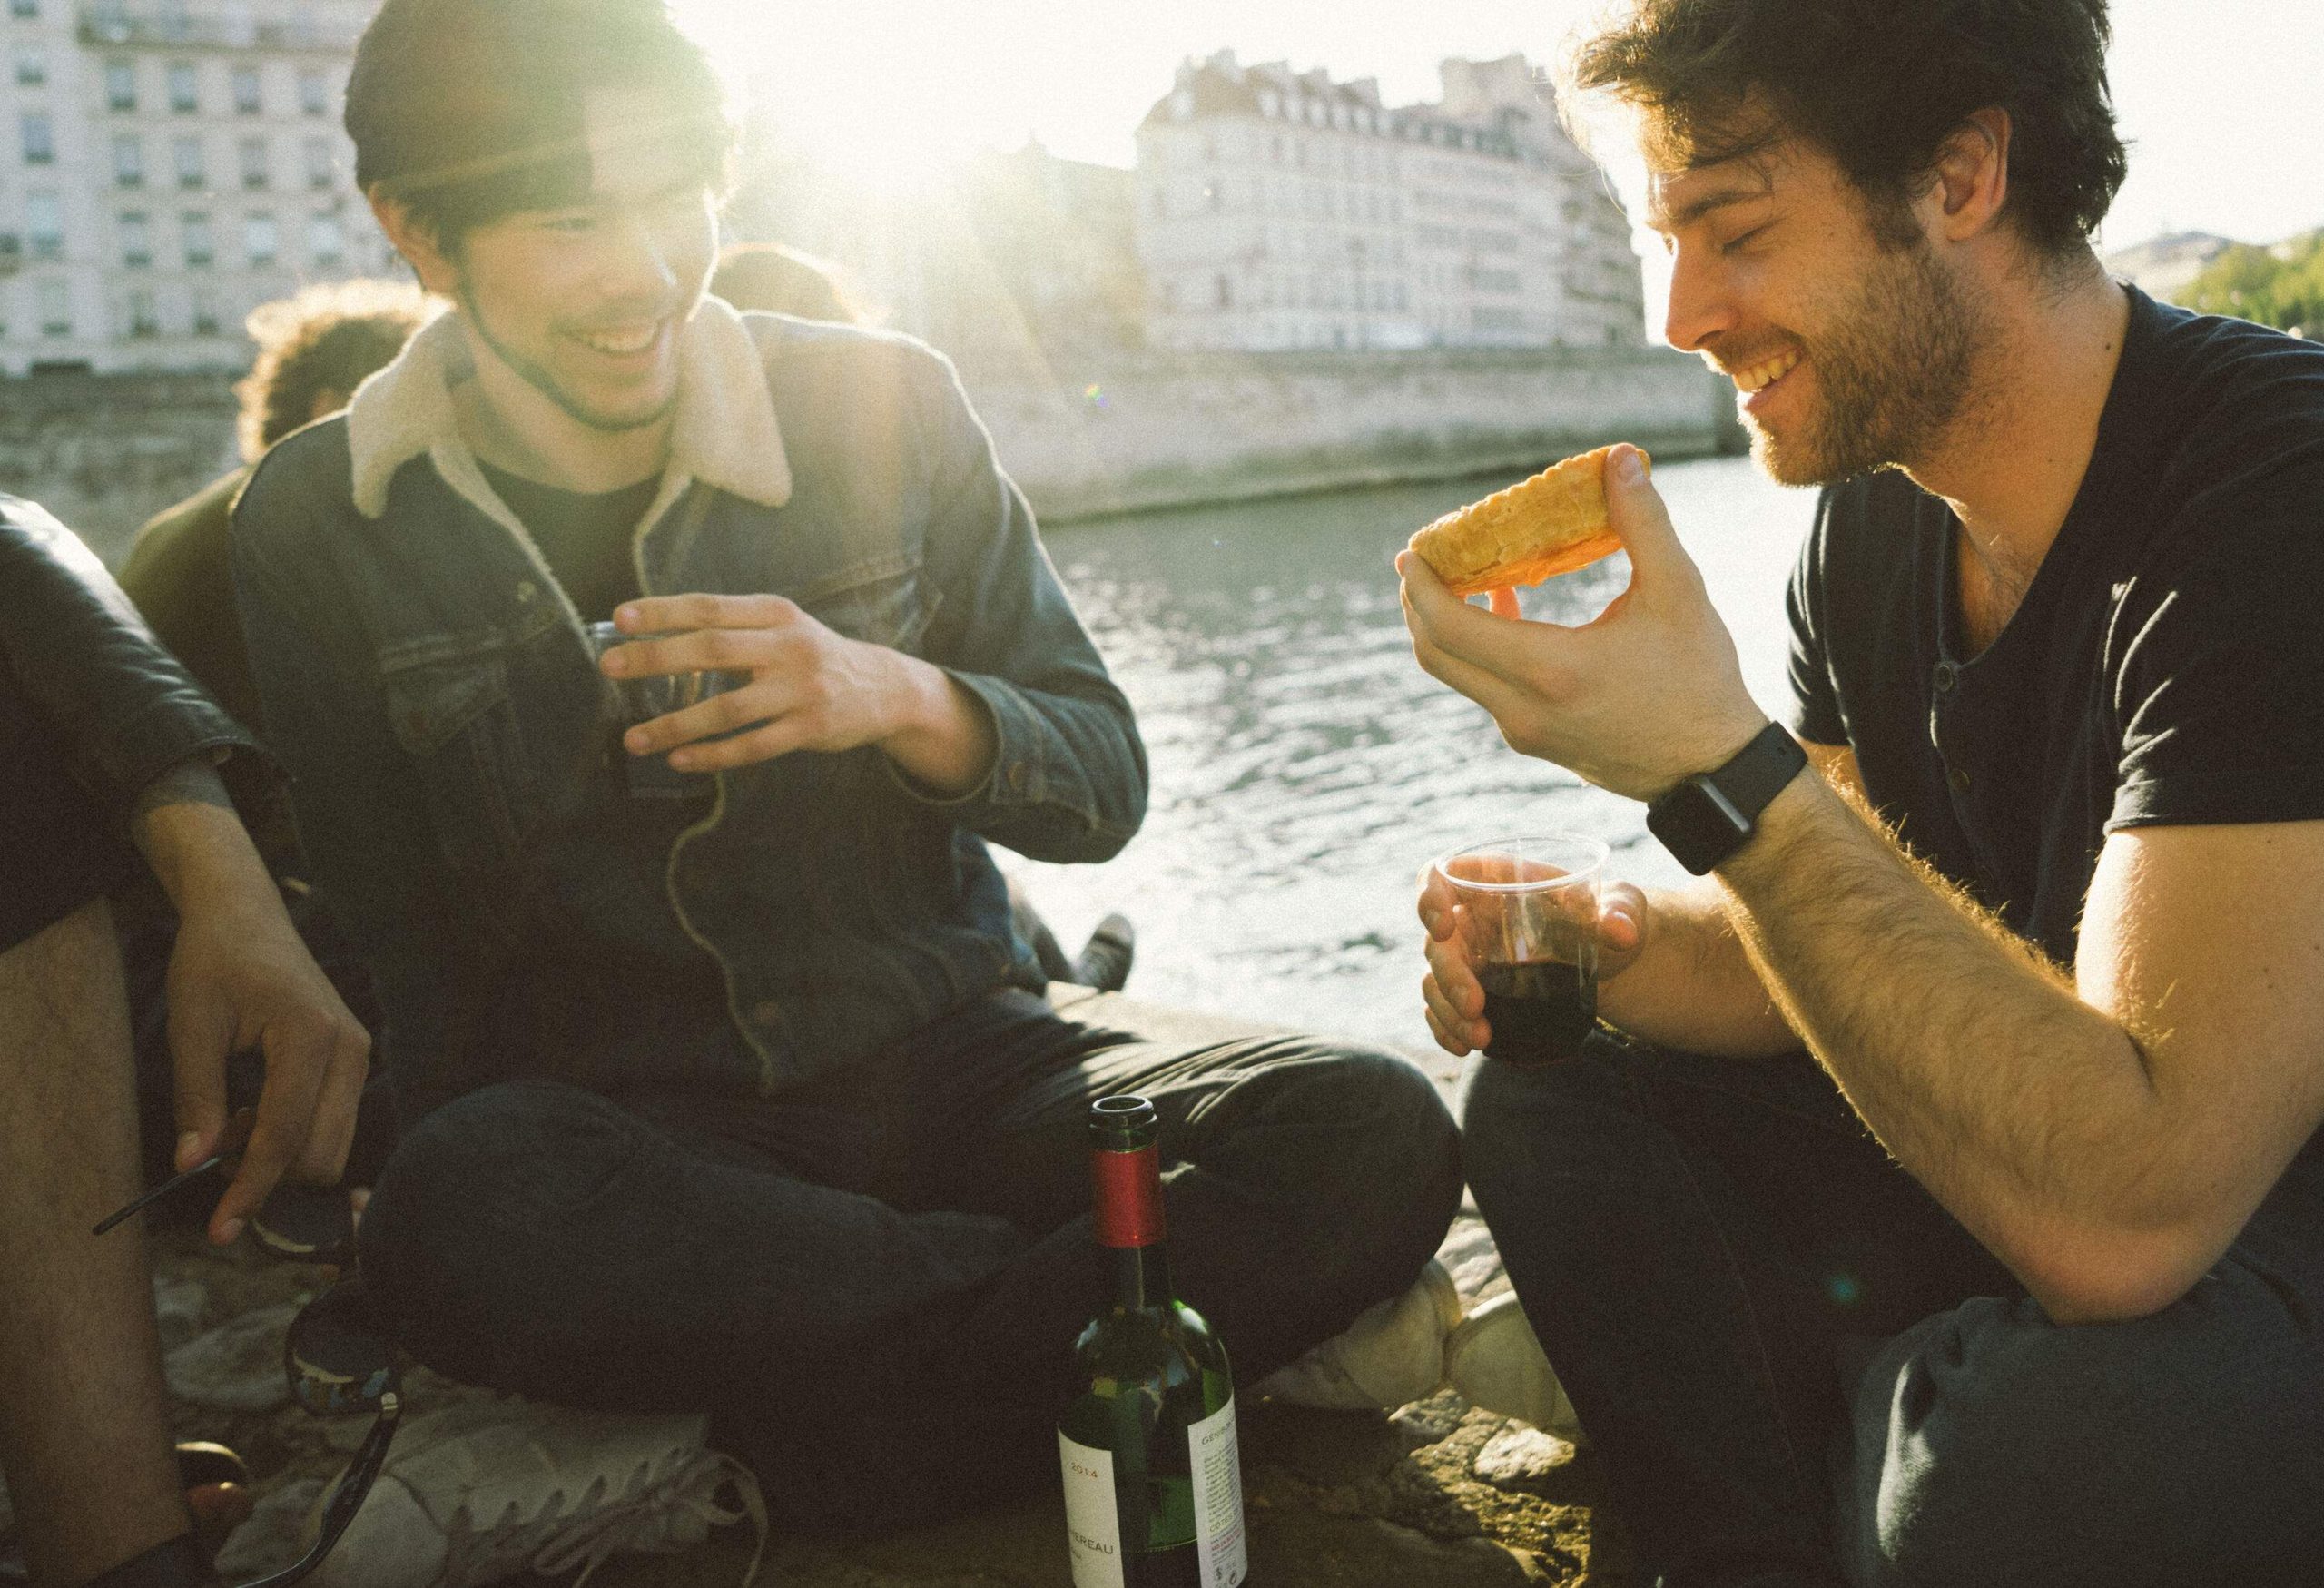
1304	766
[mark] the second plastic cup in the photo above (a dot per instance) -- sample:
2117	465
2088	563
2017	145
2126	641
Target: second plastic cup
1528	920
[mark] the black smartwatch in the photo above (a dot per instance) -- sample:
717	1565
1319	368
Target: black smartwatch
1708	817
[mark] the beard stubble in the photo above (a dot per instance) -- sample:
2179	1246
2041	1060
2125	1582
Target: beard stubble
1893	369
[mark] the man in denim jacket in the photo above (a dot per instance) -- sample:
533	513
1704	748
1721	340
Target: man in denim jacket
725	1083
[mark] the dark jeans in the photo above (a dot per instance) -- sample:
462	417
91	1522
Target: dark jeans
874	1282
1798	1368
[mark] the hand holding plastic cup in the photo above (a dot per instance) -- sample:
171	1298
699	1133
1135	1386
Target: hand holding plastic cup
641	699
1527	919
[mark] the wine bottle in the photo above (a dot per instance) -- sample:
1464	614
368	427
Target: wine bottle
1153	1486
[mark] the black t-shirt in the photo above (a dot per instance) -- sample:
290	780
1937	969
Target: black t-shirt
584	535
2166	665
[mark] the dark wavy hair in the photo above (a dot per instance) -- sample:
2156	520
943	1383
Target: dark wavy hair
1880	85
465	111
324	337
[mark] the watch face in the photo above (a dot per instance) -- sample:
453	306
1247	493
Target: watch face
1698	825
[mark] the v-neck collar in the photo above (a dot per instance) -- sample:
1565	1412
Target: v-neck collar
2093	506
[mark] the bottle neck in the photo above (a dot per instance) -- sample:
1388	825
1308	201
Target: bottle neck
1142	1277
1129	1220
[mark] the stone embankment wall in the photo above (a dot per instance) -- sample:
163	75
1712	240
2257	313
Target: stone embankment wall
1105	435
1167	430
106	452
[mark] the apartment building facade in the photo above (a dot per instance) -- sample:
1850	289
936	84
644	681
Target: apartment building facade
1280	210
165	166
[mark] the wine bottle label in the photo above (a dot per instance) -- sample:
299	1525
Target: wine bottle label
1092	1525
1218	1498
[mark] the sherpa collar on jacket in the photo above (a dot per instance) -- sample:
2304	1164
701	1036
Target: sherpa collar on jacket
724	433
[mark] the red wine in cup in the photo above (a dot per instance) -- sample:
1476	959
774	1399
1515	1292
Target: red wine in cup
1537	1009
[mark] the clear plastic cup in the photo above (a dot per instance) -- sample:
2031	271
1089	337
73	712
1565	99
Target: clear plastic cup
642	699
1528	917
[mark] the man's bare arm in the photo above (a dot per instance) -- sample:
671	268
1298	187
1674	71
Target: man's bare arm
240	978
2108	1132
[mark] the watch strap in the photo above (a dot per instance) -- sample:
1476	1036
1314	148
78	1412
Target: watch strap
1738	791
1760	770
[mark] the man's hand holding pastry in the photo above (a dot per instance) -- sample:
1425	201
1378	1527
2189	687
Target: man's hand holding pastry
1647	693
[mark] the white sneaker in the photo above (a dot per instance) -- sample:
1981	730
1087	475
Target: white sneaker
1390	1357
1495	1362
484	1489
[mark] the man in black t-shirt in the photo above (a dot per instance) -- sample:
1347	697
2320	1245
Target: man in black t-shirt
2012	1276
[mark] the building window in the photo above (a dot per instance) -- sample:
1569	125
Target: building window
55	310
143	320
39	138
32	66
205	313
326	242
253	154
185	153
259	239
44	225
193	226
314	94
128	160
186	88
318	161
136	242
246	100
23	8
120	86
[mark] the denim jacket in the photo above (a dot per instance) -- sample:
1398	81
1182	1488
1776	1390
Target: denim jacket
126	710
432	693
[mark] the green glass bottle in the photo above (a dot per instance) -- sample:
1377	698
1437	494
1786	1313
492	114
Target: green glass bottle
1153	1486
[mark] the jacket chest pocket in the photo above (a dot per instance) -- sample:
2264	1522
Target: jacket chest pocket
454	714
879	599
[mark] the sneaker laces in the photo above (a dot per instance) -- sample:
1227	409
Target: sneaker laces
555	1541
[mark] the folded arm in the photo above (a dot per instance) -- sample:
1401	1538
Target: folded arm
2107	1131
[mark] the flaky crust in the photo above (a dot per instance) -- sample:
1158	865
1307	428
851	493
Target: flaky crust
1550	524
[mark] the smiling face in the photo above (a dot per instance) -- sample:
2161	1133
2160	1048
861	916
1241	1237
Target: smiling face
1850	342
583	302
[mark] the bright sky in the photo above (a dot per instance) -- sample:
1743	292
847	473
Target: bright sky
2218	96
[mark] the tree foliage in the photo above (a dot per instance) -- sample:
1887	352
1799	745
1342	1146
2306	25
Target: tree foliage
2281	286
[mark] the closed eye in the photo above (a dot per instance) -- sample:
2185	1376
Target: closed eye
1734	244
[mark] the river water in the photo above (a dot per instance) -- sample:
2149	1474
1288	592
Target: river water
1304	767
